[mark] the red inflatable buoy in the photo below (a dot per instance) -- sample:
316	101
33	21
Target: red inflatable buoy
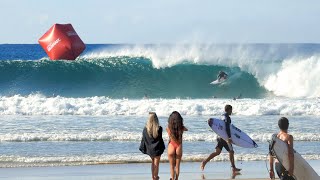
62	42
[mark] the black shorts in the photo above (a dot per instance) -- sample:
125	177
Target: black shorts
223	144
283	174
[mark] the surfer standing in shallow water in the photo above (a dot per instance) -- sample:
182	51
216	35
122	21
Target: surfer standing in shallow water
287	138
222	143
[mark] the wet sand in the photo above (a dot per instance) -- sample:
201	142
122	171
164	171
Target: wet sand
252	170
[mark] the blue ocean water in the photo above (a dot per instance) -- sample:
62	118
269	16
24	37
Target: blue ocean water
92	110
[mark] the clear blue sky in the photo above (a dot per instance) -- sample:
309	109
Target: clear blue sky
164	21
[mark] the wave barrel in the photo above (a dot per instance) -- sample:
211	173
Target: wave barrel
62	42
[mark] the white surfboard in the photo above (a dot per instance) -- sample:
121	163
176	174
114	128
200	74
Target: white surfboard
218	81
238	137
302	169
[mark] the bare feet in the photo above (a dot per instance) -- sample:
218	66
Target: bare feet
203	164
234	169
234	174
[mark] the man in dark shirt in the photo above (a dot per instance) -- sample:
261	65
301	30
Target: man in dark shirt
222	143
222	75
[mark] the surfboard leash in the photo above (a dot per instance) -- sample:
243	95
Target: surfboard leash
266	162
271	144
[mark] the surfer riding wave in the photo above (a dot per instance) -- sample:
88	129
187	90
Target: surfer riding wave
222	76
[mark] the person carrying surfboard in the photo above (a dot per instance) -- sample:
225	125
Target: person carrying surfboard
222	143
283	174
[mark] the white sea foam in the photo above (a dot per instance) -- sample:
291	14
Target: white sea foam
25	161
77	136
166	56
118	135
296	78
37	104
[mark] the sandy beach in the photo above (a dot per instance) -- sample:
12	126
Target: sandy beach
255	170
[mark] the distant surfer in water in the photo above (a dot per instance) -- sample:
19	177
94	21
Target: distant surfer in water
238	97
222	76
222	143
145	96
283	174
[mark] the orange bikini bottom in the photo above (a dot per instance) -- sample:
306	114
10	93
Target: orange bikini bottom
174	144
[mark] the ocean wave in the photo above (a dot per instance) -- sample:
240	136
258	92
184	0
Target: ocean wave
37	104
167	71
297	77
280	68
121	77
26	161
124	136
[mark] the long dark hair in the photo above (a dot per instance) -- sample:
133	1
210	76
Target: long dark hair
175	125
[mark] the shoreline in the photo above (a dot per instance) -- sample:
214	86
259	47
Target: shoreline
251	170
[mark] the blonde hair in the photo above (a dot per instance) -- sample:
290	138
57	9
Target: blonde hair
152	125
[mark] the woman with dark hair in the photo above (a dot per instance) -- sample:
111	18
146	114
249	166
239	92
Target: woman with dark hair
175	130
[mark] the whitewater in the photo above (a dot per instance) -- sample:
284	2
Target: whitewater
37	104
